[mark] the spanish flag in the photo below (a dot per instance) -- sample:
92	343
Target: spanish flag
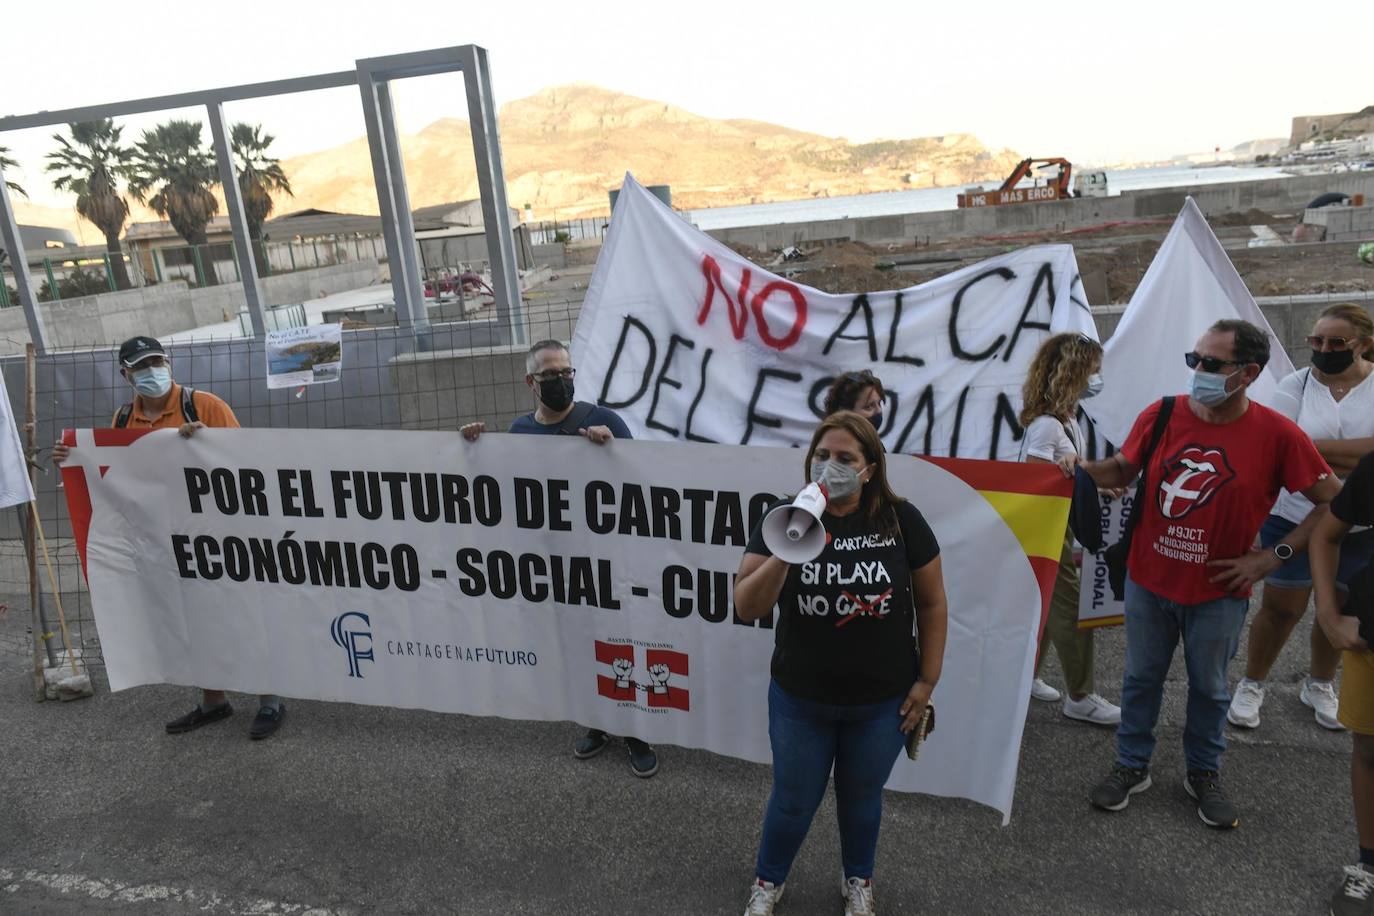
1033	500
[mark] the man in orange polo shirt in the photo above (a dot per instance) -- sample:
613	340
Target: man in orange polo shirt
160	403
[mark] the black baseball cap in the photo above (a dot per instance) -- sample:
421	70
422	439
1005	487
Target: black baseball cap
136	349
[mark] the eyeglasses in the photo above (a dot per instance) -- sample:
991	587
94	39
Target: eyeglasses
1208	363
549	375
1317	342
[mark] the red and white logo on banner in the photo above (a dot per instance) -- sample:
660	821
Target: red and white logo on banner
655	677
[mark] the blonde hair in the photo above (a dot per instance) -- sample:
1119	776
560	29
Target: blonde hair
1057	376
1357	317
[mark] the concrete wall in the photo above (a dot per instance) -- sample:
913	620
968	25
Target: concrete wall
1282	195
1343	224
444	389
170	307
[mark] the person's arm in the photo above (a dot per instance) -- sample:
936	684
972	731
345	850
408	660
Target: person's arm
472	431
932	625
612	428
1344	454
758	584
1324	552
1108	473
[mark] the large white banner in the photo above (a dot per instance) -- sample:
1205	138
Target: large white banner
524	577
1190	285
689	341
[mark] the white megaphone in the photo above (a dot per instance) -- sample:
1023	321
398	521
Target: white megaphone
794	532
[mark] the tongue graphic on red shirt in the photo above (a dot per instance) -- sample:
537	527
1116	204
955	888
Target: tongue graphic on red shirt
1191	478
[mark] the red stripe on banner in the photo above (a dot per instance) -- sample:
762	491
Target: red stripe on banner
1007	476
74	483
607	652
607	688
675	698
1046	570
676	661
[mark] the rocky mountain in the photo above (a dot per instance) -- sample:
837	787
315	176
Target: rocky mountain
566	146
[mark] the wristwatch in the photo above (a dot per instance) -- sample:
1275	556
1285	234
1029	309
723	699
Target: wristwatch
1284	552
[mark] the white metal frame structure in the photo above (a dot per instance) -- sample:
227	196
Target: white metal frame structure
373	77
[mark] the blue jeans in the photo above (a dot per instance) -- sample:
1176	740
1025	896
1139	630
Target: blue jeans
1211	634
861	742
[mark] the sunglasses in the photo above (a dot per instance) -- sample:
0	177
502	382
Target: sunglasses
1208	363
1317	342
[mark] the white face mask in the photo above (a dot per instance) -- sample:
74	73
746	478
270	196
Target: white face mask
838	480
1094	386
153	382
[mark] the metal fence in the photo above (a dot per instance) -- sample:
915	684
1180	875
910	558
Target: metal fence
434	378
554	231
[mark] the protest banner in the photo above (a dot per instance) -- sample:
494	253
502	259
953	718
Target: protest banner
530	579
1190	285
689	341
310	355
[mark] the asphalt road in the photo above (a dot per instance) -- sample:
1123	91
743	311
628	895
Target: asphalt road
354	809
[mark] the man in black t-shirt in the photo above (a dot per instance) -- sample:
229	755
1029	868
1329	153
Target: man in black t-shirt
549	376
1348	621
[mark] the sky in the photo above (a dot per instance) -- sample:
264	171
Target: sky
1100	82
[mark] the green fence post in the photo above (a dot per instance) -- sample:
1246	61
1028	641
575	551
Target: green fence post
233	255
315	248
53	294
266	258
156	255
200	267
109	274
291	250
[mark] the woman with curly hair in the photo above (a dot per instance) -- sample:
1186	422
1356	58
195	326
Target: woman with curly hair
1065	369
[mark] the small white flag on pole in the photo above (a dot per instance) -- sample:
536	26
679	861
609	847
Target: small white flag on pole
15	486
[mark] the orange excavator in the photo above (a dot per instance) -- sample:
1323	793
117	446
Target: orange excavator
1054	188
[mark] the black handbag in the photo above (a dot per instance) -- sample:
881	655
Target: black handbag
1116	555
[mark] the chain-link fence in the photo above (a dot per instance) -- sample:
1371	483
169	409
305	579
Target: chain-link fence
437	377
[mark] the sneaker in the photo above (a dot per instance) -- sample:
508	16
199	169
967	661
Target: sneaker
858	896
591	744
643	760
1245	705
267	721
1204	787
764	896
198	717
1355	896
1092	708
1320	697
1114	792
1044	692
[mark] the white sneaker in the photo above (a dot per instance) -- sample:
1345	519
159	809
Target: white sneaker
1044	692
1320	697
858	896
763	897
1246	703
1092	708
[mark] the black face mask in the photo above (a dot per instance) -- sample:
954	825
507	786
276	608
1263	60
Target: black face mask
877	421
1333	362
556	394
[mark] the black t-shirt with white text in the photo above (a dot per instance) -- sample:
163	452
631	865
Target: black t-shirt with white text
1354	505
845	623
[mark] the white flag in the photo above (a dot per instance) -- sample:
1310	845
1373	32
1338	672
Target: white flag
15	486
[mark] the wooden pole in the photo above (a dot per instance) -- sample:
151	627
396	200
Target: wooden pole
56	592
30	542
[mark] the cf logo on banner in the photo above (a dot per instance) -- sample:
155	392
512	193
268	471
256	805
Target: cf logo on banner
346	637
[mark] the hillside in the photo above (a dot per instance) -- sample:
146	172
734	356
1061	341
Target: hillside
564	147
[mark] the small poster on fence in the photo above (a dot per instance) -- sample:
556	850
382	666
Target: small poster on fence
304	356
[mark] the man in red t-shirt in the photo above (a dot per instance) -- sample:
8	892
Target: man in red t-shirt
1209	484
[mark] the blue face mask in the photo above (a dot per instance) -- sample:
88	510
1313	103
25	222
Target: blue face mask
152	383
1209	388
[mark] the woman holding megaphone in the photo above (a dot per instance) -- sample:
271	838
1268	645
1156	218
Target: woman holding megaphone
849	684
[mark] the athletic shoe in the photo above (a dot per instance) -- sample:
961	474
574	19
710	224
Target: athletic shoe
643	760
591	744
1114	792
1204	787
1092	708
1320	697
763	897
1355	896
858	896
198	717
1246	703
267	721
1044	692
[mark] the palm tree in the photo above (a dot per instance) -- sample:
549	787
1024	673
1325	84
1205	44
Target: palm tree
89	165
260	176
6	164
172	173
